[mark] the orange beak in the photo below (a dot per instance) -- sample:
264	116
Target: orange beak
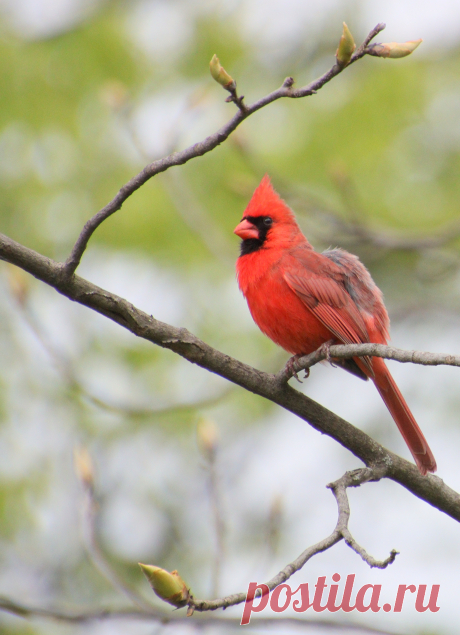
246	230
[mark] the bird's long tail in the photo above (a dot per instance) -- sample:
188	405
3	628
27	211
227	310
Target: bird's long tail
403	417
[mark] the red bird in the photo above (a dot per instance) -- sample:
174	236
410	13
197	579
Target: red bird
302	299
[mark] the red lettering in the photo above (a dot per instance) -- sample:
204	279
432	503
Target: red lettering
432	601
319	586
304	604
331	607
345	606
249	603
274	600
374	603
402	588
262	592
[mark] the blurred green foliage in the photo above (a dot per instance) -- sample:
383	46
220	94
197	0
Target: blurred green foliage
67	110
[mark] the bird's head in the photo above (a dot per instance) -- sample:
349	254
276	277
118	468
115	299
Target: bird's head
267	218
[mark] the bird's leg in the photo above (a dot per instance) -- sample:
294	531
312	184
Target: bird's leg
325	349
290	370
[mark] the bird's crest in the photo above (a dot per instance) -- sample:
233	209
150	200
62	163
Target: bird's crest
266	201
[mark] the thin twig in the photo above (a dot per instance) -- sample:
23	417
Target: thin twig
89	514
341	532
342	351
238	101
146	611
89	615
218	520
139	412
362	50
339	489
201	148
184	200
197	220
280	578
358	232
208	442
84	616
355	230
64	366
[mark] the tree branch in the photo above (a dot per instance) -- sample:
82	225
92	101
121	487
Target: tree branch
341	532
26	611
82	617
201	148
339	489
356	230
145	611
344	351
96	555
64	366
429	488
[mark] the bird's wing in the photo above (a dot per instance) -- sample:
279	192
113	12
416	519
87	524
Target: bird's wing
319	285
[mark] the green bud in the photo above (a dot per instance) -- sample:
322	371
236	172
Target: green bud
220	74
346	47
394	49
168	586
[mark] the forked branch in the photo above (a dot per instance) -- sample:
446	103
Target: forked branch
341	532
201	148
345	351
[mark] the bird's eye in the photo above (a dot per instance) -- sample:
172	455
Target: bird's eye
268	221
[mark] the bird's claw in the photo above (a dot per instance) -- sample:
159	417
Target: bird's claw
290	370
325	349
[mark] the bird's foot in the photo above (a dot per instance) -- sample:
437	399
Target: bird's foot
325	349
290	370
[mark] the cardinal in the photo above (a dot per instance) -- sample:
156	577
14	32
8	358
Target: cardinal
303	299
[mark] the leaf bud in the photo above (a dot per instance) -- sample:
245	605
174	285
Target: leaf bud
394	49
346	47
220	74
168	586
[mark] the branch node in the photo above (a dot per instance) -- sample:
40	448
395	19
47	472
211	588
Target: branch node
355	478
198	149
362	50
